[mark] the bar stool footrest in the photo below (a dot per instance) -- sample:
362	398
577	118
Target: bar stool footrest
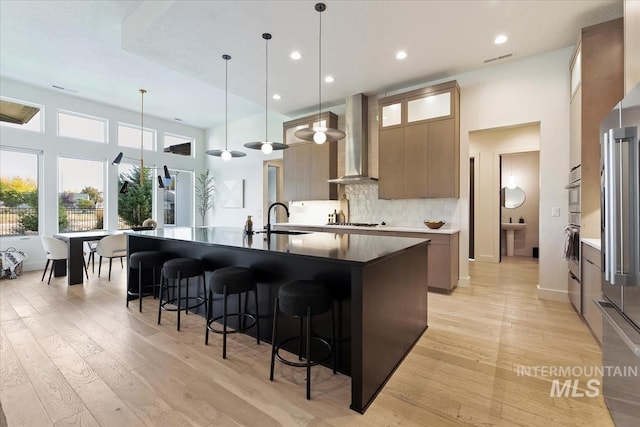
201	300
220	331
303	364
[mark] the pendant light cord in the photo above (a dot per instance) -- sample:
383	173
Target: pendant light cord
226	103
320	68
266	90
142	92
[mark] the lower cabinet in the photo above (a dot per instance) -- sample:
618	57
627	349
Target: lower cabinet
443	258
442	262
591	289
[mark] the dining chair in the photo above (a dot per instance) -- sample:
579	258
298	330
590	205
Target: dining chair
114	246
90	250
57	251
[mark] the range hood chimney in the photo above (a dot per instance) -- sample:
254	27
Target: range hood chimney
356	157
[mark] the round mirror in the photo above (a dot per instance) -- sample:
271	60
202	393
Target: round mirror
513	197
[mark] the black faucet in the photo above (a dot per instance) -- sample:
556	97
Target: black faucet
268	226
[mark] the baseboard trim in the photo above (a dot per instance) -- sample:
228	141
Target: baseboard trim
552	294
464	282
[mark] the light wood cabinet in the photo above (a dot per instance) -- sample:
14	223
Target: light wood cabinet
307	166
575	110
599	87
591	289
419	144
442	259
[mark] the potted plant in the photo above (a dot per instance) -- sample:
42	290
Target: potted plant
205	189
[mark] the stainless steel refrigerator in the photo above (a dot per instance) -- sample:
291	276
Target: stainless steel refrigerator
620	221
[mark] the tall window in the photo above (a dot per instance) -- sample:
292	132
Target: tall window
18	193
177	144
178	199
81	126
129	136
134	199
81	194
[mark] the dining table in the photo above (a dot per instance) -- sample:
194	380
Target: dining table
75	258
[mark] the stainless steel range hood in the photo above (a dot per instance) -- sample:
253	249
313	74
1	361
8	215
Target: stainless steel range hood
356	157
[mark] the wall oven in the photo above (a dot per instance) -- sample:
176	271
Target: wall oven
574	192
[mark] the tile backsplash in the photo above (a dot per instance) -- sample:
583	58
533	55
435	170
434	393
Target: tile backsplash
364	206
312	211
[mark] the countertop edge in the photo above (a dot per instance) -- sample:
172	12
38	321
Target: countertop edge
594	243
383	228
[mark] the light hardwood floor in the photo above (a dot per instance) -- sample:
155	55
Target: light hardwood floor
77	356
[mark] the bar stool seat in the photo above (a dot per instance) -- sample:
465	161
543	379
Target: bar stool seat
139	261
303	299
231	281
177	269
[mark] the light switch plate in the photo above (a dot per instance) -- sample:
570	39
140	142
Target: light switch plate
555	211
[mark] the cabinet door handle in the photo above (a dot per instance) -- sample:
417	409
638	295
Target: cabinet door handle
590	262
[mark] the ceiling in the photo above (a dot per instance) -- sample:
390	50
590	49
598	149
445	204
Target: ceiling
106	50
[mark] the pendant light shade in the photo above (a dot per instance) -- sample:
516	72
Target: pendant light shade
319	134
226	154
266	146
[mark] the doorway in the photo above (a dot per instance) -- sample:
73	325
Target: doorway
272	190
488	148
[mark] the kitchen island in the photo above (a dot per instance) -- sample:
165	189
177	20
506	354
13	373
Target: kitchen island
379	285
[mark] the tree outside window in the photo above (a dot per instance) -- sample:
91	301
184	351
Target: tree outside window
134	205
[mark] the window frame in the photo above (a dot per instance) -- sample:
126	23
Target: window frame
191	140
30	104
154	138
39	186
83	116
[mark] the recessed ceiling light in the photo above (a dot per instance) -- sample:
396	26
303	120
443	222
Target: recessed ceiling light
401	54
328	79
276	97
500	39
295	55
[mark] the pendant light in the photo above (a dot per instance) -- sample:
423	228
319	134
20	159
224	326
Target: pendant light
266	146
226	154
318	134
121	155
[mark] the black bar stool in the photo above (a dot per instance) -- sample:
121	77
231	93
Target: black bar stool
139	261
229	281
178	269
303	299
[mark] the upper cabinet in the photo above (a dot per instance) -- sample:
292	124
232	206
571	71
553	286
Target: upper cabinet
419	143
631	44
597	83
307	165
575	109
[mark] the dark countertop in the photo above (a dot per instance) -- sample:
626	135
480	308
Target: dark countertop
333	246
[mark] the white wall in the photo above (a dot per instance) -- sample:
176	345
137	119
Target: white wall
531	90
53	146
248	168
